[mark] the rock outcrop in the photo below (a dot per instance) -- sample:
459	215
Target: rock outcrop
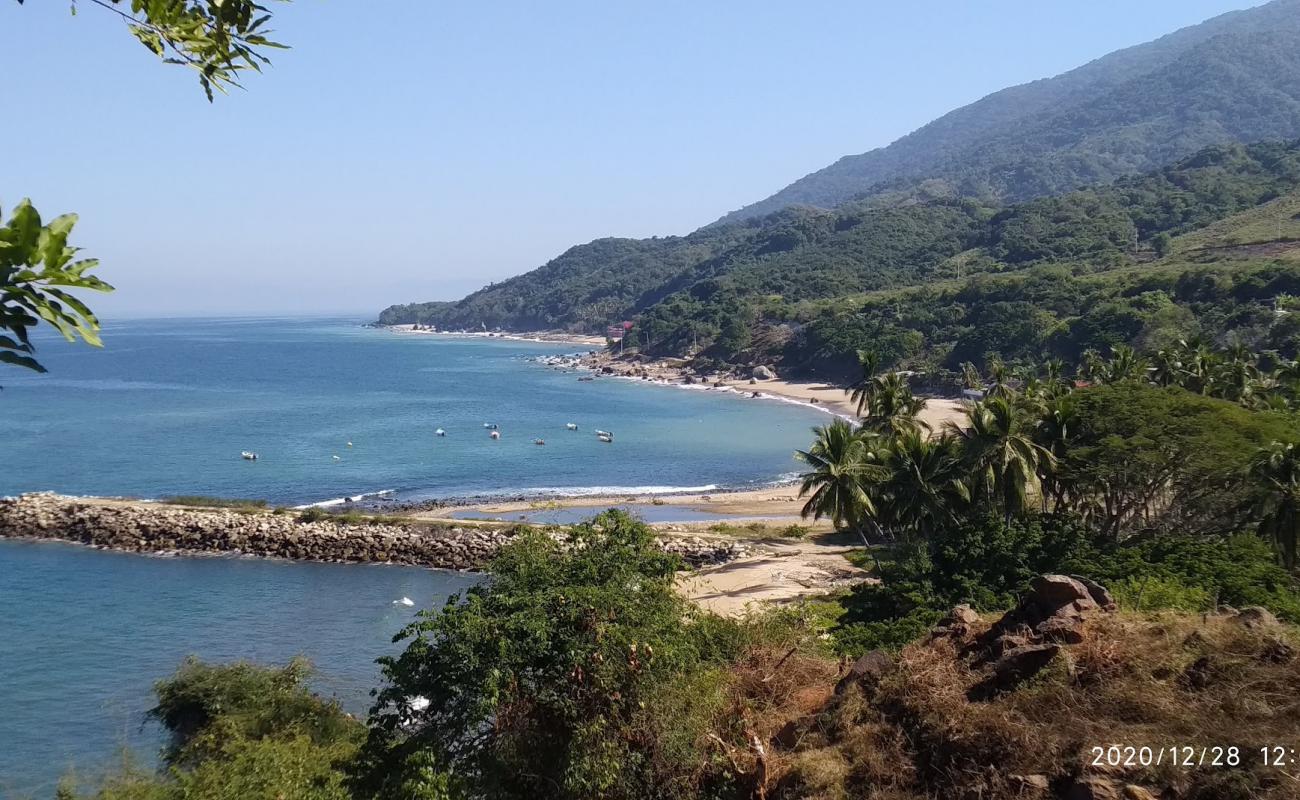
153	528
1052	615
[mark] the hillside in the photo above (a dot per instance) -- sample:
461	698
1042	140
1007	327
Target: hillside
1232	78
932	285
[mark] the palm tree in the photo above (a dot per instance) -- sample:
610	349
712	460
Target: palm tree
864	388
1277	467
998	376
999	448
1167	368
1237	380
892	407
1124	365
1200	364
1091	365
843	463
1056	427
926	483
970	377
1054	380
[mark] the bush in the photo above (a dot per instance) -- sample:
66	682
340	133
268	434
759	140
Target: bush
313	514
242	731
203	501
989	562
563	676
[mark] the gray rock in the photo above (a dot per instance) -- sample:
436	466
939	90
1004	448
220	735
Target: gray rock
866	671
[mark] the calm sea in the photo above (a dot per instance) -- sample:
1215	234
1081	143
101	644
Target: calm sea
166	408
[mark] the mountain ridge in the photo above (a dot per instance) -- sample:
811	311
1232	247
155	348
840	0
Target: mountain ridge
929	151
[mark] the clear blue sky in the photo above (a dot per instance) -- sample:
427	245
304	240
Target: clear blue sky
415	150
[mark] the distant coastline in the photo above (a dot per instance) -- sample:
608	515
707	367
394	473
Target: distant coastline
672	372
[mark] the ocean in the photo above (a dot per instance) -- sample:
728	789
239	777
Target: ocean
166	409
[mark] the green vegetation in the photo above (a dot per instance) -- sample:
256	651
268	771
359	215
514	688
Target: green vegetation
929	286
241	732
577	671
219	40
1176	483
203	501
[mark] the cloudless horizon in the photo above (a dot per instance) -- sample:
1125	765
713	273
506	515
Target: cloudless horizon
411	151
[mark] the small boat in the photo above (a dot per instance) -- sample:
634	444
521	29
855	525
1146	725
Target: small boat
490	425
573	426
349	444
248	455
440	432
586	378
604	433
606	438
405	601
494	435
539	441
336	458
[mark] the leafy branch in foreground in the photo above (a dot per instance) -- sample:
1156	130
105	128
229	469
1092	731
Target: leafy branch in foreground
36	270
218	38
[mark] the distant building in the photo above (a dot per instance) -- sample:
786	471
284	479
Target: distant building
618	331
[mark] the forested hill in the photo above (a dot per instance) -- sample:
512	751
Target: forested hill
933	284
1233	78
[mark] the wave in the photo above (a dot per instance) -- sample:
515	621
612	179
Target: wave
356	498
602	491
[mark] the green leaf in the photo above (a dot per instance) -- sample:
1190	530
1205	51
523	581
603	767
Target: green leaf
28	362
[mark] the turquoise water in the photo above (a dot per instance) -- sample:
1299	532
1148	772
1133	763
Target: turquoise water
84	633
167	407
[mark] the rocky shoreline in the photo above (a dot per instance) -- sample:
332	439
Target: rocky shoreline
141	527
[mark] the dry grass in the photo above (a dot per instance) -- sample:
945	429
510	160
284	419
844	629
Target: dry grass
1153	680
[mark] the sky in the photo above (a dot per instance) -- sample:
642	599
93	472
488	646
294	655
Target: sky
411	150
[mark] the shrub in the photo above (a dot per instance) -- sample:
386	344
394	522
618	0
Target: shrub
560	677
203	501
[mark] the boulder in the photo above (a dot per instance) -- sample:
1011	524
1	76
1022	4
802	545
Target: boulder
763	373
1100	595
1024	662
1060	594
962	614
1061	630
866	671
1256	617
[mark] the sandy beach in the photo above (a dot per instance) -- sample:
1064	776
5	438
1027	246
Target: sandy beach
558	337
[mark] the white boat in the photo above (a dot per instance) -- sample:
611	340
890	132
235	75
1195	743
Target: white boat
603	434
494	435
248	455
440	432
573	426
490	425
605	437
539	441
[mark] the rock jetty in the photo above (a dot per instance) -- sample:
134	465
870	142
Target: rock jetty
142	527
